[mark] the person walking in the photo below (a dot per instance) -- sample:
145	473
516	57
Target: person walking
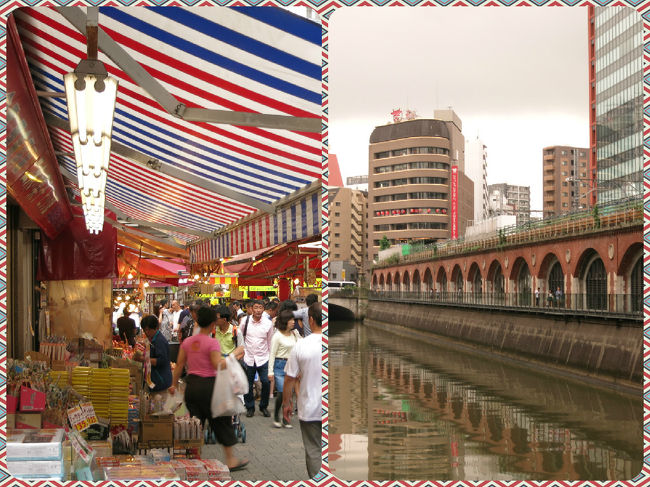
225	332
305	362
257	332
537	297
282	343
201	355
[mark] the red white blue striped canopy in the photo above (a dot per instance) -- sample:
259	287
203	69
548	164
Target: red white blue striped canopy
180	167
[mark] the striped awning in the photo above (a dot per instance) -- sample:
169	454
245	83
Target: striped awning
217	117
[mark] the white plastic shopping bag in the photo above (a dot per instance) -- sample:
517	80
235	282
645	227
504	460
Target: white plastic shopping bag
238	378
224	401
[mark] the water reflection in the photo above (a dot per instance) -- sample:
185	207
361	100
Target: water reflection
423	412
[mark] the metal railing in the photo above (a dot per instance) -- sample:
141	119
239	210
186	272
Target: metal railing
619	304
614	216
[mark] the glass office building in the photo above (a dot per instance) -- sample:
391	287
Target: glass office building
617	102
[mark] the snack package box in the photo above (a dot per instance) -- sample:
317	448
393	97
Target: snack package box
33	445
38	469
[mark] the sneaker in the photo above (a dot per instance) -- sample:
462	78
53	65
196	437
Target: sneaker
250	413
287	425
277	424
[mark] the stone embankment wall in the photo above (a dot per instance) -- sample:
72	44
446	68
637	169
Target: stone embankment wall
588	346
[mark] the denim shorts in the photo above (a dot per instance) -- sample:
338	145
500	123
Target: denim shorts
278	373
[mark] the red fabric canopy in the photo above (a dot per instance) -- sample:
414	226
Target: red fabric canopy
147	268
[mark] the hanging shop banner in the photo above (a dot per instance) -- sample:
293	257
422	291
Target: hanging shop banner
294	222
33	177
77	254
230	279
454	202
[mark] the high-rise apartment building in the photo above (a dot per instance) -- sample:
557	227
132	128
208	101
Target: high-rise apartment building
566	180
616	103
476	169
347	215
507	199
417	187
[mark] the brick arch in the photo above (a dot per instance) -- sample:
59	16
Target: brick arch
442	280
428	278
475	278
589	299
543	275
397	281
630	257
374	281
548	261
389	282
417	282
495	268
455	273
406	281
516	266
382	282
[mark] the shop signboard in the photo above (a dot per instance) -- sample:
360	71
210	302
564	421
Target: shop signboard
33	178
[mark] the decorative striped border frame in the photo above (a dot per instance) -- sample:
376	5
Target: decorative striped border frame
325	9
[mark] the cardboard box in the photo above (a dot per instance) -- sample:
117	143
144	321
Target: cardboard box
11	420
157	428
12	403
28	420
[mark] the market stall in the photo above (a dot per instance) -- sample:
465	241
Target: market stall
215	134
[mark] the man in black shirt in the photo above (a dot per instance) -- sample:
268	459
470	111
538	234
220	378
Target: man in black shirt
126	327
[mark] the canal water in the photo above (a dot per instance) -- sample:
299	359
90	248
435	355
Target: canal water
402	409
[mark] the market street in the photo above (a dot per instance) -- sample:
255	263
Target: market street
274	453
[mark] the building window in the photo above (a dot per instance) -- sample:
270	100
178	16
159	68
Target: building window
337	234
338	203
382	155
336	246
337	214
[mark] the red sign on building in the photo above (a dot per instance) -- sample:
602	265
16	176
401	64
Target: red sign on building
454	202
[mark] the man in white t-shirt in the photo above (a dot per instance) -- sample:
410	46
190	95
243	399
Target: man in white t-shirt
305	363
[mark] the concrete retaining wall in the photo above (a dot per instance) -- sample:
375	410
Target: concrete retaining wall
596	348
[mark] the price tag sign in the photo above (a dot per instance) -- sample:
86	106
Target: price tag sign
89	412
80	446
77	419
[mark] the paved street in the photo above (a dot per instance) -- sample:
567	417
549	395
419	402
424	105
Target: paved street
274	453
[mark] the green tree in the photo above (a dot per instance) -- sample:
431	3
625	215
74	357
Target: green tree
384	243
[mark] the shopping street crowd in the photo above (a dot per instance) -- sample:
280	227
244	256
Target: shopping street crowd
277	344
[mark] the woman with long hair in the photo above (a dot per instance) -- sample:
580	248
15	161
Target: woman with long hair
282	343
201	354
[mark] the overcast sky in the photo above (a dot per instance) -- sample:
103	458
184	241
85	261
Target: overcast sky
517	77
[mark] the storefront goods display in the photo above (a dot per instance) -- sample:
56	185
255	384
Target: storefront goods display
186	429
156	432
141	472
26	385
196	469
34	445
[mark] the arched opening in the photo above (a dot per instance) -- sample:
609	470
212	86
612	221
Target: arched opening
596	284
382	284
416	282
495	283
397	283
636	286
406	287
556	285
476	281
374	282
523	283
457	283
389	283
428	281
630	277
441	283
